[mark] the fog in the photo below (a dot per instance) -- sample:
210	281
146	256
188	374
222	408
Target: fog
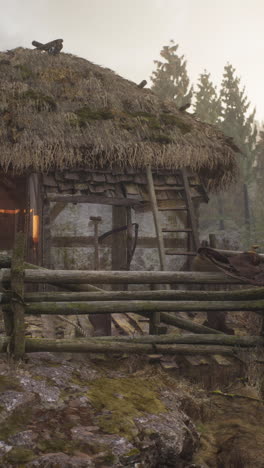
127	35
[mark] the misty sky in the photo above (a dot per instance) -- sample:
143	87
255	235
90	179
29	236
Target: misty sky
127	35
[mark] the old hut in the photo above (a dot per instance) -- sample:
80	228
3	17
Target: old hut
75	142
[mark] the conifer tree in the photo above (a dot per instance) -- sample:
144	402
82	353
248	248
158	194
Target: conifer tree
208	104
236	122
170	79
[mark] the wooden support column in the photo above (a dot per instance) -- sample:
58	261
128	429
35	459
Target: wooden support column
46	235
17	287
154	321
119	240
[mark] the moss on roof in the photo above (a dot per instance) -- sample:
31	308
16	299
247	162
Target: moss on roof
63	111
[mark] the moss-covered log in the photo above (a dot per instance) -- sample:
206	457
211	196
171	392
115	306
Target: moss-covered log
97	346
106	307
122	277
184	324
214	339
160	295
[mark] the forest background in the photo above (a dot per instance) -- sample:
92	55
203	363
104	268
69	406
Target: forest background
236	216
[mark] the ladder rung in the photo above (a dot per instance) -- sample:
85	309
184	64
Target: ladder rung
176	252
174	209
172	229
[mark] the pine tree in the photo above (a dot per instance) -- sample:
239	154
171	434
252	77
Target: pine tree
259	187
170	80
208	104
236	122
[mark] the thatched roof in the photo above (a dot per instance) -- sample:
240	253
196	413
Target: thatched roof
63	111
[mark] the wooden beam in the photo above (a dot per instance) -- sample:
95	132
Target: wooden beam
97	199
56	210
158	295
172	338
125	277
154	322
86	345
135	306
191	213
83	345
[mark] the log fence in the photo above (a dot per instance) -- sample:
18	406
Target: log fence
81	297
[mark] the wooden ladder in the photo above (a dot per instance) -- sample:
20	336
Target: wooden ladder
191	227
190	230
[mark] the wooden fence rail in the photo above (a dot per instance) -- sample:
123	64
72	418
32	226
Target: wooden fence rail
120	277
87	299
150	307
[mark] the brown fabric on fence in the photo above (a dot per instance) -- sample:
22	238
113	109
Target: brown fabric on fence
247	266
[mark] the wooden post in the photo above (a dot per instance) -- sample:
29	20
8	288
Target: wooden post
17	287
154	321
212	241
129	236
155	211
96	220
119	240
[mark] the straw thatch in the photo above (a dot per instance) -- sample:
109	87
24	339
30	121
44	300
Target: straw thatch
63	111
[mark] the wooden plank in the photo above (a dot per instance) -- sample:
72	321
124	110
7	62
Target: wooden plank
192	216
54	197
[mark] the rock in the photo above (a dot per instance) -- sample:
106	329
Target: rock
170	438
61	460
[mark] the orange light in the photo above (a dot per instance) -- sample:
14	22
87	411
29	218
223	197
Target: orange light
10	211
35	230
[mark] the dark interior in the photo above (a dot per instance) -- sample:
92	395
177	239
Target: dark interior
12	199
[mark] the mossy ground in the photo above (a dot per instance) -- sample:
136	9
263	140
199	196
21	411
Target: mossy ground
123	400
9	383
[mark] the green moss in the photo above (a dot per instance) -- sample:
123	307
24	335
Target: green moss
132	453
145	118
42	101
124	399
108	460
15	423
175	121
85	115
162	139
19	455
9	383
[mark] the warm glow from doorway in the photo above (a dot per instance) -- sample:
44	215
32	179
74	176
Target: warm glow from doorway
10	211
35	230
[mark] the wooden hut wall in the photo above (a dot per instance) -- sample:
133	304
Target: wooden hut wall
72	232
